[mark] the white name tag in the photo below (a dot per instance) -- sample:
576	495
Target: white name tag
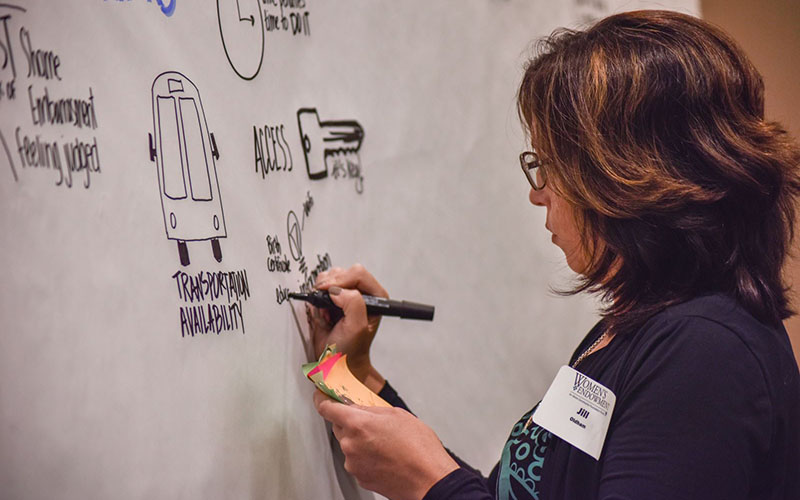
578	410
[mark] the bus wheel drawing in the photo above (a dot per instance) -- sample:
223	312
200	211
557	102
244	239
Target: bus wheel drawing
184	152
241	29
320	140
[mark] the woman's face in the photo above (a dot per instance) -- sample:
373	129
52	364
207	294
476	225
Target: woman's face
561	223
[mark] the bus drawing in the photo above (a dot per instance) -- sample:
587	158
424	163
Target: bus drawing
184	152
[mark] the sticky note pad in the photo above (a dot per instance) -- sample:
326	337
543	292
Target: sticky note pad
331	375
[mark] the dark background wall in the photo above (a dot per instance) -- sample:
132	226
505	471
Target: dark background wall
769	31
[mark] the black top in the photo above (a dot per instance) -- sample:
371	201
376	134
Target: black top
708	406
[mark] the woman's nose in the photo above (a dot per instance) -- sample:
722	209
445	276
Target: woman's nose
538	198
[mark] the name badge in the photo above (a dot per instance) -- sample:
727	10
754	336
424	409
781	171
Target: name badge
578	410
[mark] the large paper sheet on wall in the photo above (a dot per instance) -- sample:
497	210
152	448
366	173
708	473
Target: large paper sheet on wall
171	170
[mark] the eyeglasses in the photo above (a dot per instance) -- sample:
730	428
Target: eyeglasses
530	162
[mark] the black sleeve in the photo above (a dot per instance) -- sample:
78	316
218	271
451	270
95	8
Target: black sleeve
692	418
388	394
465	483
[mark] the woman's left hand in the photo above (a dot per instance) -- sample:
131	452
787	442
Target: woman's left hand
388	450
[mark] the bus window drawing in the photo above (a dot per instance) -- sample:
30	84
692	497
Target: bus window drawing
184	152
241	28
324	141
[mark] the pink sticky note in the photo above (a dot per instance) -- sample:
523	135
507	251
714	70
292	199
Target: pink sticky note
326	365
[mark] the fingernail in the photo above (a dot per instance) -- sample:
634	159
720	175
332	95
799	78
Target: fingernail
334	290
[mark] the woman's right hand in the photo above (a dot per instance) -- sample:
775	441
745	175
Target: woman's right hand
354	332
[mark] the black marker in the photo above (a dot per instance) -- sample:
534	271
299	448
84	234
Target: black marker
375	305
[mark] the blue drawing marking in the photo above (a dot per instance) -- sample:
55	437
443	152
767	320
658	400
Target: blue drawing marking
167	6
167	9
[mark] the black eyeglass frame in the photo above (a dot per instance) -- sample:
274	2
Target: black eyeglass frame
530	161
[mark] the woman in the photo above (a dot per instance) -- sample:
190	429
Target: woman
673	199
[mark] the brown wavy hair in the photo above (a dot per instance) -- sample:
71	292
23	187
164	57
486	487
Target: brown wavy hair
653	125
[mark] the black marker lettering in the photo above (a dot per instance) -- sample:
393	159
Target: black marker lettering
8	53
203	291
41	63
268	140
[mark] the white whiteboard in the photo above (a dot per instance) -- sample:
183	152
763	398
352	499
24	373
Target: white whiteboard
147	147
